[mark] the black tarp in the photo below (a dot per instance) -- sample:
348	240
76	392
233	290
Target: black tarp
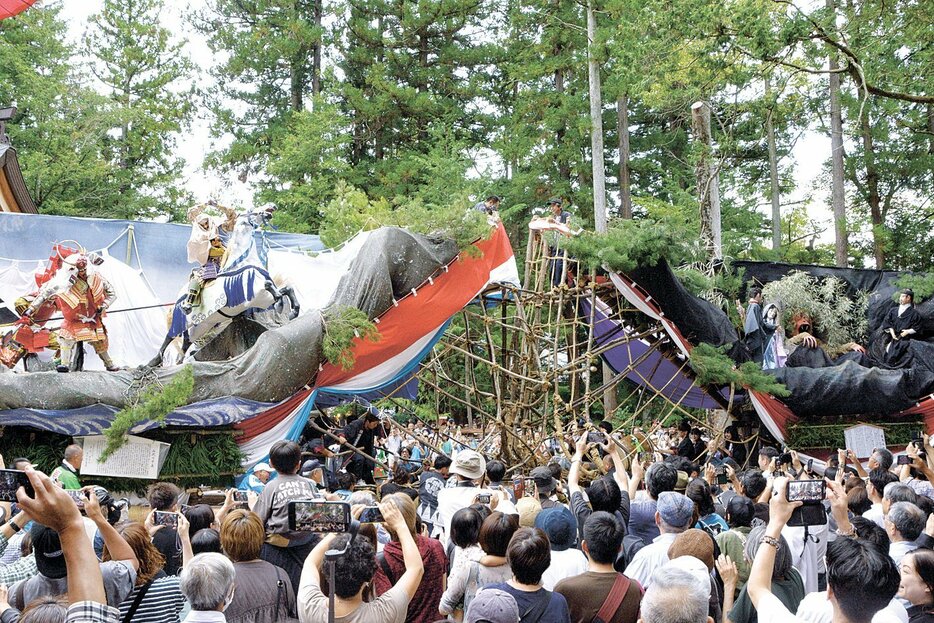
841	387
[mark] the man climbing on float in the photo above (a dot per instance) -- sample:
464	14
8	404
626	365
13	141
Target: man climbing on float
82	298
206	247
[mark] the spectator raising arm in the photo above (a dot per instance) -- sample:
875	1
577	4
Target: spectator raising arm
759	585
574	473
117	546
414	568
184	529
85	582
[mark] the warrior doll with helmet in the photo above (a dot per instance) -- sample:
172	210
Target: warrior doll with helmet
82	297
206	247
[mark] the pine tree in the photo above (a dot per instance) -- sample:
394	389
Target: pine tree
148	81
60	123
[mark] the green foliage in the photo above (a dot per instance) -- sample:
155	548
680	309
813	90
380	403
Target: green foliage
194	459
628	244
152	405
148	82
922	285
713	367
837	318
352	211
341	326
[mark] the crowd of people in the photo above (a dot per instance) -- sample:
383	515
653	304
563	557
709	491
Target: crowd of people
694	532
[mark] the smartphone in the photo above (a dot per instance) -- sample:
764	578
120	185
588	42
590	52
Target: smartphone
240	497
484	498
518	486
10	481
595	437
163	518
645	457
317	516
810	467
917	436
807	491
79	497
904	459
371	514
722	478
529	488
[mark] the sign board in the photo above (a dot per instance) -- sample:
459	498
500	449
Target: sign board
862	439
138	458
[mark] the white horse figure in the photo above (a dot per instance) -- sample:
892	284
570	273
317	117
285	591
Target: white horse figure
243	286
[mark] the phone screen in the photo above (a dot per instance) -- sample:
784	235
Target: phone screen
315	516
904	459
518	486
722	478
240	496
594	437
163	518
805	490
10	481
371	514
484	498
78	497
529	488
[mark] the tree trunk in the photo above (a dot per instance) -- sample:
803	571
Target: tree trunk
838	199
295	89
596	126
708	185
316	58
564	169
872	190
773	173
931	128
625	192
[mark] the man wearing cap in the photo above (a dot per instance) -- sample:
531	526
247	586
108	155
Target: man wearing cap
256	481
468	466
674	515
545	486
82	298
361	434
566	560
900	324
560	216
492	605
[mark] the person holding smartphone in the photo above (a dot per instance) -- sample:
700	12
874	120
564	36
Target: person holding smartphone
355	570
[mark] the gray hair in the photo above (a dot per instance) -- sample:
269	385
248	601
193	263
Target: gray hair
72	451
908	519
365	498
207	580
675	596
899	492
782	566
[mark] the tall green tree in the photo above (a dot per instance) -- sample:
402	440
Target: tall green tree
148	81
60	124
270	68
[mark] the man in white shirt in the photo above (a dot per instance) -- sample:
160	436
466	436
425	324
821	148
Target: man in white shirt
566	560
673	515
904	524
878	479
861	579
468	467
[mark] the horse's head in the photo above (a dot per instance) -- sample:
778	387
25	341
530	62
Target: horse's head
260	216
